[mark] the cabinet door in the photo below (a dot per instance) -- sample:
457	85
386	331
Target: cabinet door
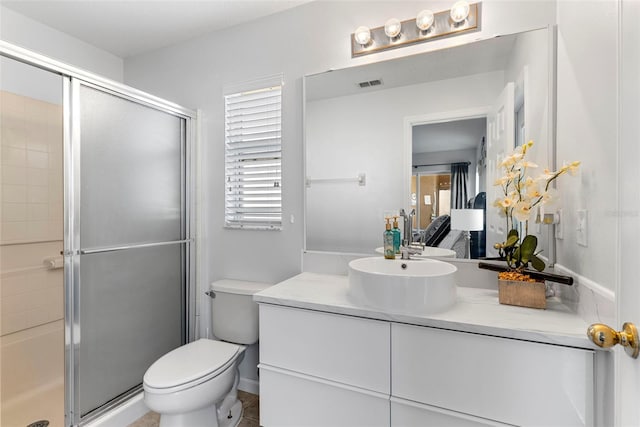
290	399
349	350
411	414
512	381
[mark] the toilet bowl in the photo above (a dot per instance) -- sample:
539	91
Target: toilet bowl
196	384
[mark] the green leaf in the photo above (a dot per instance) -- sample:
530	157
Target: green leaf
516	257
528	248
511	240
537	263
512	232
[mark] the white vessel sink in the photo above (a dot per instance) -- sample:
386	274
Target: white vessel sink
416	286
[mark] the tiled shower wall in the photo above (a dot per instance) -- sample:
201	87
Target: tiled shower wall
31	218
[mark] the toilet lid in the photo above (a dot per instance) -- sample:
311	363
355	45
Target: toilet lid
190	362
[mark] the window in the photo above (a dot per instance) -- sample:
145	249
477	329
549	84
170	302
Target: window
253	155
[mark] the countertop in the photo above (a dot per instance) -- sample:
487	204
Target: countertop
476	311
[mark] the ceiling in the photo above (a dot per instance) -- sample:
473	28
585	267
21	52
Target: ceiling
131	27
448	136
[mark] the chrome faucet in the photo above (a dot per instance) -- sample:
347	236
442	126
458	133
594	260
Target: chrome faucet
407	251
407	239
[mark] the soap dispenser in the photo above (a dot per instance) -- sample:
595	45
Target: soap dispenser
396	235
389	252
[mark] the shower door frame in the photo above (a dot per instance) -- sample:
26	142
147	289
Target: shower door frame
72	79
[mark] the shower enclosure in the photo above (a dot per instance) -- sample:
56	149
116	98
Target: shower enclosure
96	244
31	238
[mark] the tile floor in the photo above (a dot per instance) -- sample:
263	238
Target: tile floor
250	418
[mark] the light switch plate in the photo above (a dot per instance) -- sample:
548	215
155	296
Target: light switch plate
581	231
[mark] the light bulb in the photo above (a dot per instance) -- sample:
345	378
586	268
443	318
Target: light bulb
459	11
362	35
392	27
424	20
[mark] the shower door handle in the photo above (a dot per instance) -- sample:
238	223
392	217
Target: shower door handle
135	246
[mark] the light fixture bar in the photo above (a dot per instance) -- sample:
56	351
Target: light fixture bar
443	26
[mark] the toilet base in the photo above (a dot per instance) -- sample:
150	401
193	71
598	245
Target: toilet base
233	416
209	416
205	417
201	417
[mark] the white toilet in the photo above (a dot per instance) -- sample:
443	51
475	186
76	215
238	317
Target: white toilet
196	384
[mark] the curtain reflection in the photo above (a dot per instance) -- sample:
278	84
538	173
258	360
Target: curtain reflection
459	178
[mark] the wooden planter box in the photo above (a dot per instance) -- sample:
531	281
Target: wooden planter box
523	294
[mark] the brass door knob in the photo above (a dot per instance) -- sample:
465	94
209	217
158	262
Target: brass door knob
605	336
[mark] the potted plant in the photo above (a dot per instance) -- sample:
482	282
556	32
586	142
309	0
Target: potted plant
521	197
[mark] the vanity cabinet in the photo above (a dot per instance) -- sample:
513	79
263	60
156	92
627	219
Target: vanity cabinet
323	369
319	369
499	379
406	413
291	399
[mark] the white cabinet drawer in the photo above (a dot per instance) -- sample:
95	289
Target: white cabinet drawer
411	414
290	399
348	350
515	382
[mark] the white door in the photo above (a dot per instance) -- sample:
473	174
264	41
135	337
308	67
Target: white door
500	140
627	370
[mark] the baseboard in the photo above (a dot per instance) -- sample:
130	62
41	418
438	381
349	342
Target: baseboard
124	414
249	385
592	301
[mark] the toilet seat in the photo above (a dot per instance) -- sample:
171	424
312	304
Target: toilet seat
190	365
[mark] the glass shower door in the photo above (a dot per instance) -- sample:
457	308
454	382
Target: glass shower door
129	234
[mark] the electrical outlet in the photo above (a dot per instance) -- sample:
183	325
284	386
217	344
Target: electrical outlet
581	230
558	234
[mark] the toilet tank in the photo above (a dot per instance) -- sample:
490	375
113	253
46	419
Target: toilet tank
234	314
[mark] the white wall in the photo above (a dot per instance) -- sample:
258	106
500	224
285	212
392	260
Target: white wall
29	34
587	131
364	133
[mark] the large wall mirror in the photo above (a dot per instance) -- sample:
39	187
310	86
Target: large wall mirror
384	136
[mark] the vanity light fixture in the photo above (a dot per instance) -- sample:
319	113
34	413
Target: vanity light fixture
424	20
362	35
392	28
462	17
459	11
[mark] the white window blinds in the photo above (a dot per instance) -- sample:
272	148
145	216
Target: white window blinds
253	156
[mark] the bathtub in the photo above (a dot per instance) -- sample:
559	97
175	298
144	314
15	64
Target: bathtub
32	367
